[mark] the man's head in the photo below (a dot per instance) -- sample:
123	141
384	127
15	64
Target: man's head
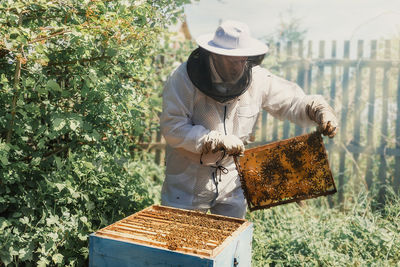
229	55
229	68
230	47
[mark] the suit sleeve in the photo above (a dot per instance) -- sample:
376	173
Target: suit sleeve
175	120
286	100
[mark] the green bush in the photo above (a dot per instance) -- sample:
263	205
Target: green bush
78	84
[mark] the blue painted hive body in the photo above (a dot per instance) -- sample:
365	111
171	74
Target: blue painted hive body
165	236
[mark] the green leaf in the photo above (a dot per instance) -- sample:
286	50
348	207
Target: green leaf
58	162
22	39
13	18
53	85
88	165
25	254
83	219
4	159
4	147
60	186
111	52
41	90
24	220
39	48
90	205
73	193
43	262
17	214
6	258
108	190
105	179
4	223
3	78
96	135
58	124
86	126
58	258
82	237
52	220
74	124
36	161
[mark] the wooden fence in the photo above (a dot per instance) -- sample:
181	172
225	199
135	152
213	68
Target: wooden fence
363	88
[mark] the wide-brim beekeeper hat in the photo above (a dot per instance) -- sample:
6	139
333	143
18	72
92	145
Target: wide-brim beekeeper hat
232	38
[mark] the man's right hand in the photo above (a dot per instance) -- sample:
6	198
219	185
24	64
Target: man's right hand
215	141
319	111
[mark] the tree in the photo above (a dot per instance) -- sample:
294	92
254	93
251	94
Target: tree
77	87
290	28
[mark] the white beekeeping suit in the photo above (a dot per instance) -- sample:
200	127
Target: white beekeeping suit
197	178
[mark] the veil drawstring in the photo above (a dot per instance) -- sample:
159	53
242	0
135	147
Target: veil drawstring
217	169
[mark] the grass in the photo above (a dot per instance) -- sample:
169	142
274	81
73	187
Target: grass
316	235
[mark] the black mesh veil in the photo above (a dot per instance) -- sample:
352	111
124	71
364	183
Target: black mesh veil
198	68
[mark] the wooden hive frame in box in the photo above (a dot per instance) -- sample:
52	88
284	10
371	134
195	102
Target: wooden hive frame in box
161	235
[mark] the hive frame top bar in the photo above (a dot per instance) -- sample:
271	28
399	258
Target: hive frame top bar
134	229
279	142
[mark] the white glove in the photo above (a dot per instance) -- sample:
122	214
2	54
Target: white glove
322	113
215	141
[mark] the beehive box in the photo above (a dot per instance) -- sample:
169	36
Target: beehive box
285	171
165	236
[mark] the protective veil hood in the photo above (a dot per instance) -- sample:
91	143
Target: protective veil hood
198	68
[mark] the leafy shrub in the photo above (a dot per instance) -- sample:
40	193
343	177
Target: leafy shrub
316	235
77	90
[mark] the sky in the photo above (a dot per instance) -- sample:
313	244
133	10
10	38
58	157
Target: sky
323	19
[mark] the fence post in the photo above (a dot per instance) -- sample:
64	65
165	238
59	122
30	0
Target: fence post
396	181
288	69
321	68
264	115
357	98
333	84
309	68
332	104
157	158
343	122
333	76
371	110
384	127
308	74
275	121
300	80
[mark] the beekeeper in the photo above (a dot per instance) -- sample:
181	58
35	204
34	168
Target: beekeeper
210	106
